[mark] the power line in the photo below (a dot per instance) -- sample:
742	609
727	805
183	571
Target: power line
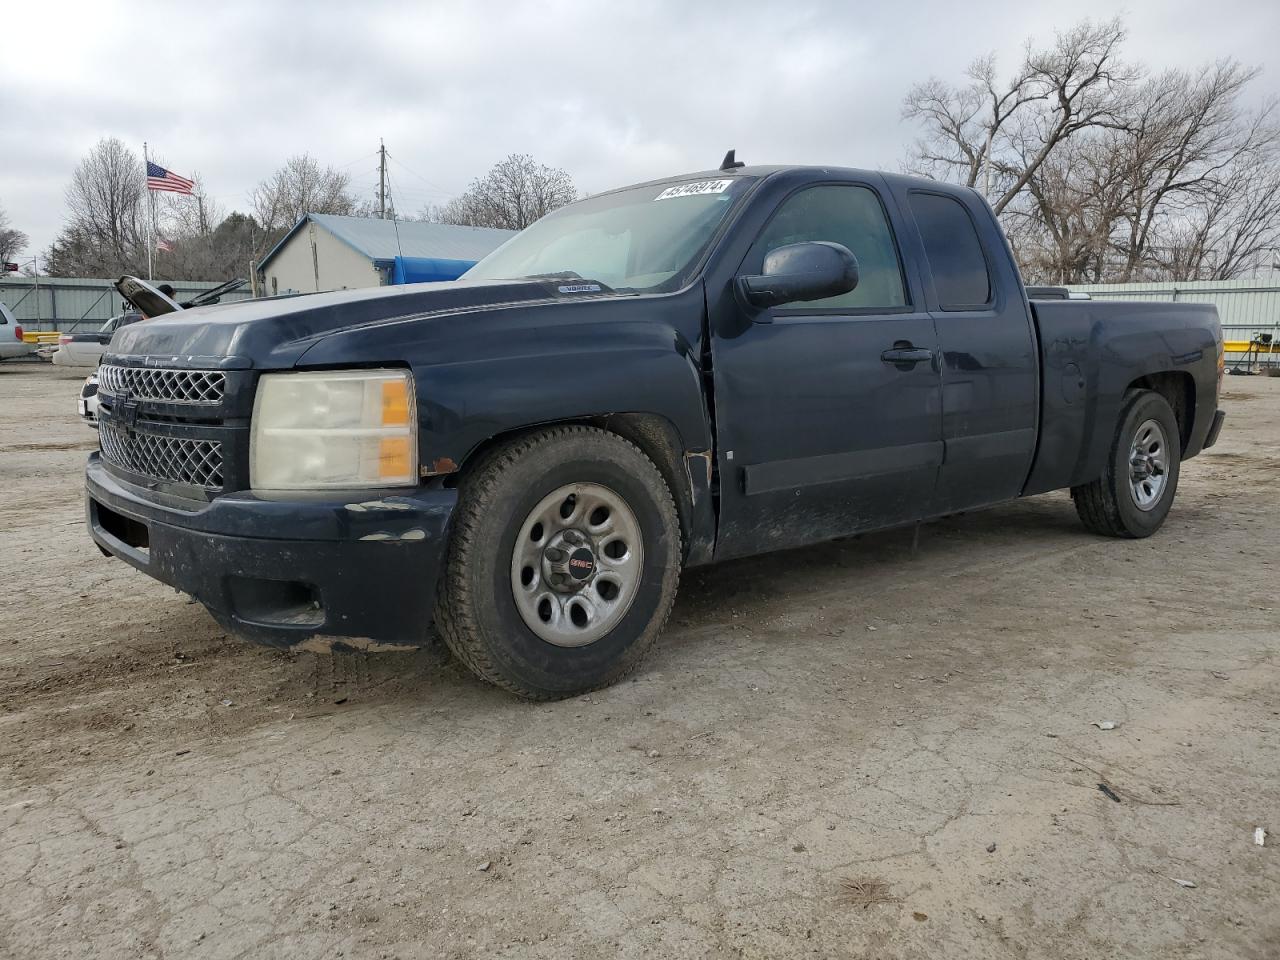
443	192
392	193
357	160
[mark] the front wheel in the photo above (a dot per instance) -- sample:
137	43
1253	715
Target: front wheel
563	563
1134	495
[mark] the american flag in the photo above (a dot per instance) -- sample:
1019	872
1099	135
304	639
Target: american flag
164	246
158	178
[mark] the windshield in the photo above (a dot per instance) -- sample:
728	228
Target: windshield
645	239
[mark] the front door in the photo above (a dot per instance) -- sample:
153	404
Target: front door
828	414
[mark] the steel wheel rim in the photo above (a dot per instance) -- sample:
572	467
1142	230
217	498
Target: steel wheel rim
558	597
1148	465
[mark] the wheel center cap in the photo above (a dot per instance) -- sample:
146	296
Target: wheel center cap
582	562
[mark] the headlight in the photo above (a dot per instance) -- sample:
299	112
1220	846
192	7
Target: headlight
338	428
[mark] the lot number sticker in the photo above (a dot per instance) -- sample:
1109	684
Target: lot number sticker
694	189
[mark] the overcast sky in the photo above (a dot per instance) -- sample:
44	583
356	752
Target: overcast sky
613	92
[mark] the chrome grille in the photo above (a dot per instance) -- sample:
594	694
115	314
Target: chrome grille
174	459
165	386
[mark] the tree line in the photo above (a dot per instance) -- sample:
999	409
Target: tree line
107	229
1103	171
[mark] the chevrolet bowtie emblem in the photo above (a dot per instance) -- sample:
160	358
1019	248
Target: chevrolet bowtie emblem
127	411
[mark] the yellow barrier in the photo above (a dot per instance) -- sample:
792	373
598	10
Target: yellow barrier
1247	346
40	337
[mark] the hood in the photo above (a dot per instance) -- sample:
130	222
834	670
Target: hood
145	297
274	333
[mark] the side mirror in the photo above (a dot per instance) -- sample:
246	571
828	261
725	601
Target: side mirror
813	270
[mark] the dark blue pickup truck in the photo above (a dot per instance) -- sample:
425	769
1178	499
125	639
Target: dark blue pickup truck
661	376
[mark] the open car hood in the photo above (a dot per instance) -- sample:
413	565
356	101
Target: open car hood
210	297
145	297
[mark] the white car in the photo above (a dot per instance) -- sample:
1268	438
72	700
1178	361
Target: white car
87	404
11	342
86	349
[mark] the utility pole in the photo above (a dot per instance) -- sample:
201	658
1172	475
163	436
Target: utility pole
382	179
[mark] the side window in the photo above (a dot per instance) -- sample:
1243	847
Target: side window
959	268
852	216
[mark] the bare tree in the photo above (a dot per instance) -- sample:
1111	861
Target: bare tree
516	192
220	253
187	225
105	233
300	187
1226	231
1099	175
997	134
1192	154
1061	225
12	242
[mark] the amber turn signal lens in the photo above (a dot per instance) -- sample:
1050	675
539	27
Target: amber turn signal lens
395	403
394	459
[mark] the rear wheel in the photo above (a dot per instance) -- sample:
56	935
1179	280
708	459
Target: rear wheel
1134	494
563	563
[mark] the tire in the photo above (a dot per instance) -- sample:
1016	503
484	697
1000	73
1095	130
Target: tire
1121	503
495	591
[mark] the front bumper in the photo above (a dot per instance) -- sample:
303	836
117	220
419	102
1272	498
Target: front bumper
357	570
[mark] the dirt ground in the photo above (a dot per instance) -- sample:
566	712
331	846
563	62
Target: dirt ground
844	751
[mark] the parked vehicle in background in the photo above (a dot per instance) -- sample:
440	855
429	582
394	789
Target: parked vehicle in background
86	349
150	301
87	404
11	343
156	300
665	375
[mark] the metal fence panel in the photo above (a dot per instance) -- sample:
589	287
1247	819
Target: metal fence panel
57	303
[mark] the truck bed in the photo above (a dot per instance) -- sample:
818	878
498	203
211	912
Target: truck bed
1091	352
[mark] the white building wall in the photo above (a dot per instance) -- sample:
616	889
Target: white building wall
331	265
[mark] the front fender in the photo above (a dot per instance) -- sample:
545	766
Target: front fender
485	374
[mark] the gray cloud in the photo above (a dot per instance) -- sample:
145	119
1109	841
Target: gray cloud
612	92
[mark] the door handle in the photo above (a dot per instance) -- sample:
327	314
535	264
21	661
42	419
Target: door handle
903	352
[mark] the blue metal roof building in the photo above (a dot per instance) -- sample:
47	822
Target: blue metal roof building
329	252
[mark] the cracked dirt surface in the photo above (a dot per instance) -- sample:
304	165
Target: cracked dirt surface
810	721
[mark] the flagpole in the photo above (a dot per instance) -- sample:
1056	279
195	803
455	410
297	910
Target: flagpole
151	220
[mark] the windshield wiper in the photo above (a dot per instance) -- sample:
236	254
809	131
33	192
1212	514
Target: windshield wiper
558	275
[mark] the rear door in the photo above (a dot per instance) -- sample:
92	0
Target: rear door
990	365
828	413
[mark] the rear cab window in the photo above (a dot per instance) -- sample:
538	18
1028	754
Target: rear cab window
961	276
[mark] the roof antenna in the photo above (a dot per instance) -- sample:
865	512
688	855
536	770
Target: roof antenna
729	163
